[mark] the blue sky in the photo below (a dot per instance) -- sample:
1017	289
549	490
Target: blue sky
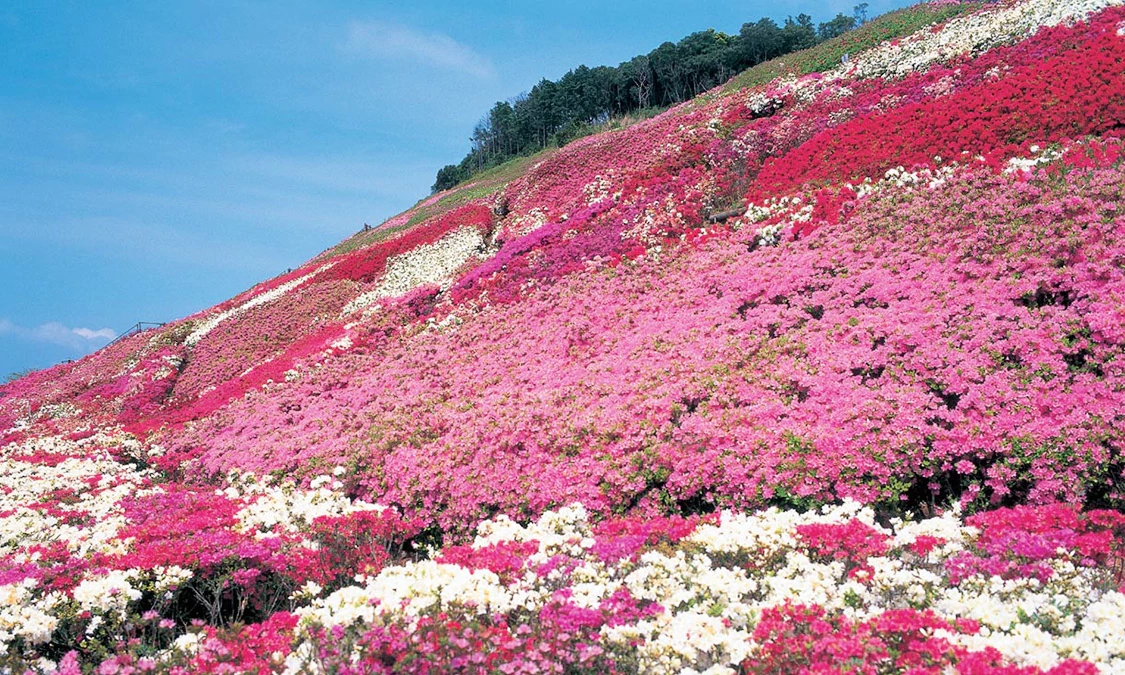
159	157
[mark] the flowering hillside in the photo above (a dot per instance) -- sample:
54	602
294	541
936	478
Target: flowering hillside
820	372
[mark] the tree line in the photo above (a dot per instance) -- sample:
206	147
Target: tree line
556	112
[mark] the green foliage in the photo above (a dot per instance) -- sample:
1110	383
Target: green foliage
785	499
447	177
176	335
586	99
836	27
828	54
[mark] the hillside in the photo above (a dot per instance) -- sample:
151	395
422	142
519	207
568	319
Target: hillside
821	371
585	99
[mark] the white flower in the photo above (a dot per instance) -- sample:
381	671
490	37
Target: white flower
425	264
972	33
188	643
170	577
288	508
108	593
210	323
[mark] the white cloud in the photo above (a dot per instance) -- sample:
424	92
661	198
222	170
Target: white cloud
106	333
56	333
378	39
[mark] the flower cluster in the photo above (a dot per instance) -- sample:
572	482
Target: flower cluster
754	593
424	264
102	558
864	360
274	292
970	34
894	282
1037	107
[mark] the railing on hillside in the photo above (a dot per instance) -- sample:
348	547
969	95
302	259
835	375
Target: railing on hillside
138	327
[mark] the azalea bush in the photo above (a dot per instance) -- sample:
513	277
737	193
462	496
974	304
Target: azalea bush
728	593
106	560
819	374
860	361
265	577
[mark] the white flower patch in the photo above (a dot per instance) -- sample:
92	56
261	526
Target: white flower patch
891	584
170	577
188	643
769	235
760	103
210	323
974	33
705	597
601	188
1101	638
108	593
412	589
425	264
272	510
659	219
561	531
24	617
1040	624
346	607
1036	159
799	209
345	343
947	526
449	321
803	581
680	582
24	483
683	643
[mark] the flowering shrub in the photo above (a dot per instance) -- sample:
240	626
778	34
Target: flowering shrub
104	560
801	639
1026	104
736	593
258	335
1015	542
130	377
368	264
774	591
862	361
717	334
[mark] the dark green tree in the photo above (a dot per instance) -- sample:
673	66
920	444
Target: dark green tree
798	33
554	113
704	55
447	177
760	42
836	27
